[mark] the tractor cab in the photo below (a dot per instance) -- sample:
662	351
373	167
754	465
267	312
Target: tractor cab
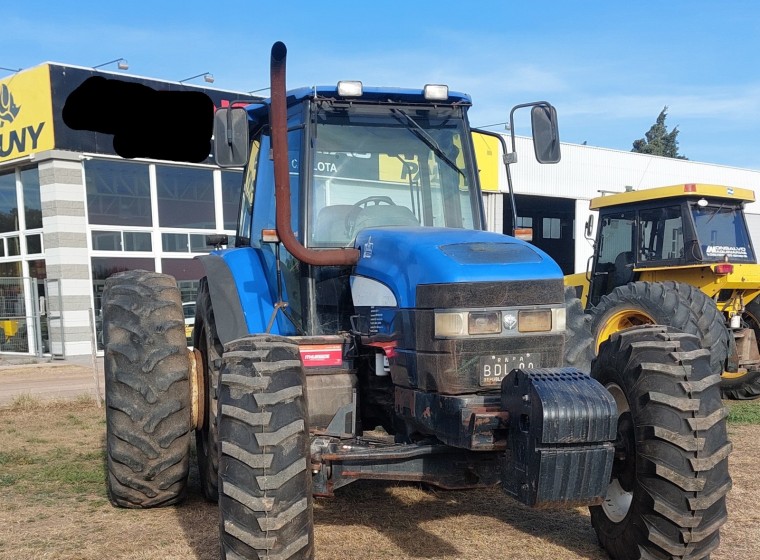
690	230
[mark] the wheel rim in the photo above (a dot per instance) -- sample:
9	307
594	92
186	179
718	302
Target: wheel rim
620	320
617	502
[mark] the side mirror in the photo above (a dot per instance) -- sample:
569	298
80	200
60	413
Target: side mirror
545	133
231	137
589	226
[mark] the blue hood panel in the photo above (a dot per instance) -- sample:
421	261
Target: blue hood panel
404	257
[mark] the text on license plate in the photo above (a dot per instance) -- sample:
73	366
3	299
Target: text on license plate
495	368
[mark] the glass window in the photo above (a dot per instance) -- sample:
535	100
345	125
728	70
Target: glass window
10	269
34	244
8	203
137	241
661	235
722	233
198	243
376	166
188	272
37	269
185	197
174	242
246	196
616	239
118	193
106	241
264	207
30	180
14	247
524	222
231	184
551	228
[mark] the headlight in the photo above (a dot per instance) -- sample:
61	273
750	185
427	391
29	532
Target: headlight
484	322
536	320
504	322
451	324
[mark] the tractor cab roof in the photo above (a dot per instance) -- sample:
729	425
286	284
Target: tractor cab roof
259	111
687	190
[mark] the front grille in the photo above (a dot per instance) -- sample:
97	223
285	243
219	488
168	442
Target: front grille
490	294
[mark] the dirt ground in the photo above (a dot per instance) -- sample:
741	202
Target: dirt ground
53	506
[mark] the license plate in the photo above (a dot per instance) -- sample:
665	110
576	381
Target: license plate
495	368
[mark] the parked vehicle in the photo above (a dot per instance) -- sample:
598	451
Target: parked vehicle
363	294
681	256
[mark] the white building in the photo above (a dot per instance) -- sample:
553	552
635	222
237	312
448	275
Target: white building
554	199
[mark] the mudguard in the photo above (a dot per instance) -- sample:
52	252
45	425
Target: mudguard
240	294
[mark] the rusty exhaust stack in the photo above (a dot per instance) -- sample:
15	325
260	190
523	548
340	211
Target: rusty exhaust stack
279	125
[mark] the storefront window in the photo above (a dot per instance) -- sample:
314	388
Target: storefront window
14	247
8	203
118	193
34	244
10	270
137	241
30	180
185	197
37	269
174	242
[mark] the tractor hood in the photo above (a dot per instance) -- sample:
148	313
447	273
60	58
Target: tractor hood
402	258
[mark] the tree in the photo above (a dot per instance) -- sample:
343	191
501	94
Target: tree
658	141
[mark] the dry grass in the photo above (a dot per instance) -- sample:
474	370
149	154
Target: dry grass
53	505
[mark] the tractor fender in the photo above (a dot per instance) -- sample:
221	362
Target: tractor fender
240	296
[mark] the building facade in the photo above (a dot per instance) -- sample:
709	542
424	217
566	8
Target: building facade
72	213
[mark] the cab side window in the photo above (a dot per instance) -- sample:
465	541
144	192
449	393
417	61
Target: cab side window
661	234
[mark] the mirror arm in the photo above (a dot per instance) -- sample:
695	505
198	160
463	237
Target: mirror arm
508	158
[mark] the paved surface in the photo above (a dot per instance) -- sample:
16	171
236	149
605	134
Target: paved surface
43	379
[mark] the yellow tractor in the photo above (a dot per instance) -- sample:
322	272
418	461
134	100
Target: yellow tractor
680	256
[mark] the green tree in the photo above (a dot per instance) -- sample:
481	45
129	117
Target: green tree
658	141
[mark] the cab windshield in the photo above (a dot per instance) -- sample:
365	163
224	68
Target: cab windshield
722	232
388	166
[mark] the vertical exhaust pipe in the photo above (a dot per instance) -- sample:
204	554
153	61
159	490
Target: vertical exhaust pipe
279	126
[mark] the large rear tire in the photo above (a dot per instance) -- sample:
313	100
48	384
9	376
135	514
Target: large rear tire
674	304
147	390
265	496
666	498
746	386
206	341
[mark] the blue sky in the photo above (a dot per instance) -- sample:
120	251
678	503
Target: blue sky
608	66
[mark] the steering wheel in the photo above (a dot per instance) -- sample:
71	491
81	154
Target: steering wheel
364	203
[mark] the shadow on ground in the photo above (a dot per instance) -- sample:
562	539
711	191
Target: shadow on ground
400	512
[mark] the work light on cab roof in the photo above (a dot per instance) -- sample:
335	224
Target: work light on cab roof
431	92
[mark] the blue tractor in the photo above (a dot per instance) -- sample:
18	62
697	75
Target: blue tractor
363	324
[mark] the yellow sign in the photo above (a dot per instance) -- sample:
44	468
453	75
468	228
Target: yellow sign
26	113
487	152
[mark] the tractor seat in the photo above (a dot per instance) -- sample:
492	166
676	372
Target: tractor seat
384	215
623	271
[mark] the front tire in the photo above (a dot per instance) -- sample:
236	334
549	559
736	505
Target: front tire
666	498
147	390
265	497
